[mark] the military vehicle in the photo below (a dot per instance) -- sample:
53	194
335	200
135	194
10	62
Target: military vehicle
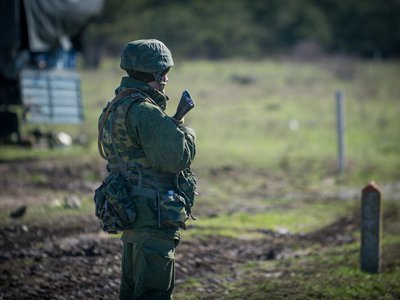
39	42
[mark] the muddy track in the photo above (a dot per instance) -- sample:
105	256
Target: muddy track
64	175
62	261
70	258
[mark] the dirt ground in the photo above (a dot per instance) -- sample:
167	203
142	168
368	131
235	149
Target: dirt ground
72	259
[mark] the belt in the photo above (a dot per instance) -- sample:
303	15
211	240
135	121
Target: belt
138	176
145	192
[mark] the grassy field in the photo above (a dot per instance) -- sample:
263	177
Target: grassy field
267	160
277	116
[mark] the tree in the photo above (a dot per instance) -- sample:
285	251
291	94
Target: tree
251	28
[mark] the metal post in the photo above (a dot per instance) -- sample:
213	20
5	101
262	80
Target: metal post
371	228
340	131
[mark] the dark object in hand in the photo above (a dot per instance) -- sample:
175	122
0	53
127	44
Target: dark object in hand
185	105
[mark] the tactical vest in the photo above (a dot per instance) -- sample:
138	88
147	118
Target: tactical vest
120	151
115	143
116	146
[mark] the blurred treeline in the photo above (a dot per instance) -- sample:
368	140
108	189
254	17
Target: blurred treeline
251	28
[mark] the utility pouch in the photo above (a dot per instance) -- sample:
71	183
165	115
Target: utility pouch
185	183
171	210
113	204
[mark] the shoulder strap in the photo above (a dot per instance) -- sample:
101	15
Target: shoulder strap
121	95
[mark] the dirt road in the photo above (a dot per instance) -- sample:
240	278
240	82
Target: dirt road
71	258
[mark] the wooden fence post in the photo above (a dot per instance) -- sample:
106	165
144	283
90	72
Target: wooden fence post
371	228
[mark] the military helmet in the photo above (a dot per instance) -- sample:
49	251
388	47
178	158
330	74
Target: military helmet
148	56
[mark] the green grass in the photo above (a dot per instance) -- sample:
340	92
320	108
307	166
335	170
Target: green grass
317	273
245	111
51	211
300	217
247	125
313	271
12	153
332	273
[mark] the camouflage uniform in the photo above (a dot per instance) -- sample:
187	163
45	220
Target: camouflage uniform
146	137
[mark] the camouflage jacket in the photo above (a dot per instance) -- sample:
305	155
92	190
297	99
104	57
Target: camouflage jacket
143	133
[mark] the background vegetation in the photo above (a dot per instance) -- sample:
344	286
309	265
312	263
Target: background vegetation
252	28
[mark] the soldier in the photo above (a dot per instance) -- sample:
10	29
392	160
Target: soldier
153	152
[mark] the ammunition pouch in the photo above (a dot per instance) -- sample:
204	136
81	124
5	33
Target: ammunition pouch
185	183
115	207
113	204
172	210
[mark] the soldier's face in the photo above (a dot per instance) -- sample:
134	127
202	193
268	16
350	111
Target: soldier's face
163	83
160	85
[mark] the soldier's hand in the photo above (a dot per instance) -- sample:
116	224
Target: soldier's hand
178	122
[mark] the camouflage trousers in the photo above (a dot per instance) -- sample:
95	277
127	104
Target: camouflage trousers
148	267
